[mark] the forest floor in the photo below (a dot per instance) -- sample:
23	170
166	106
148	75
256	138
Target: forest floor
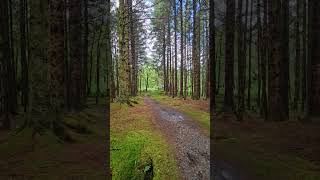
53	159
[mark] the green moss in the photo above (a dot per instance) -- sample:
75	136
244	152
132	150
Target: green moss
135	142
129	154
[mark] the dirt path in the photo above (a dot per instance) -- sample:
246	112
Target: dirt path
191	144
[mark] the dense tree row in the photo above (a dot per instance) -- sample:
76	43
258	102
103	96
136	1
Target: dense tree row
47	59
272	44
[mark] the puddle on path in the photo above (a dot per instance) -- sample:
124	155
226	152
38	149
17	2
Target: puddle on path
171	115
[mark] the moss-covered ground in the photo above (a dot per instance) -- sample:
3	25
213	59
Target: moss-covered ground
138	148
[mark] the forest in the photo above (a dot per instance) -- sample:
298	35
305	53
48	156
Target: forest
160	89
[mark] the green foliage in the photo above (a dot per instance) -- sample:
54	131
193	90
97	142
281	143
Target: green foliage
149	70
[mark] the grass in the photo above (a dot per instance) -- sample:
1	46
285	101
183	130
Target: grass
137	146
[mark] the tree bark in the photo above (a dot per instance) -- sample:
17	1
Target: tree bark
250	57
212	59
298	59
229	55
275	110
284	62
196	52
241	62
181	47
314	37
38	73
5	61
56	58
23	56
85	52
264	60
304	55
98	65
175	92
75	54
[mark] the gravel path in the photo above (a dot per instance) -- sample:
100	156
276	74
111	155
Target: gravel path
191	146
190	142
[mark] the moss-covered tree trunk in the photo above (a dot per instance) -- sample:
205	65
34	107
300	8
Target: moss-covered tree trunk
124	86
56	57
38	63
75	54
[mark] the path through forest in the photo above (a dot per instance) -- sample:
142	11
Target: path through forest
190	142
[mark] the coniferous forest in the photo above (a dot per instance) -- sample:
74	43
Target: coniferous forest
160	89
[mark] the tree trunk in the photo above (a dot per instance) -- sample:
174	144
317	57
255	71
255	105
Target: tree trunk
298	59
250	57
124	71
56	57
181	47
169	58
314	58
98	65
196	52
175	51
133	51
164	60
109	74
212	59
304	55
229	55
5	61
219	66
241	62
85	52
23	56
38	73
91	63
259	45
75	54
13	81
284	62
264	60
275	110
